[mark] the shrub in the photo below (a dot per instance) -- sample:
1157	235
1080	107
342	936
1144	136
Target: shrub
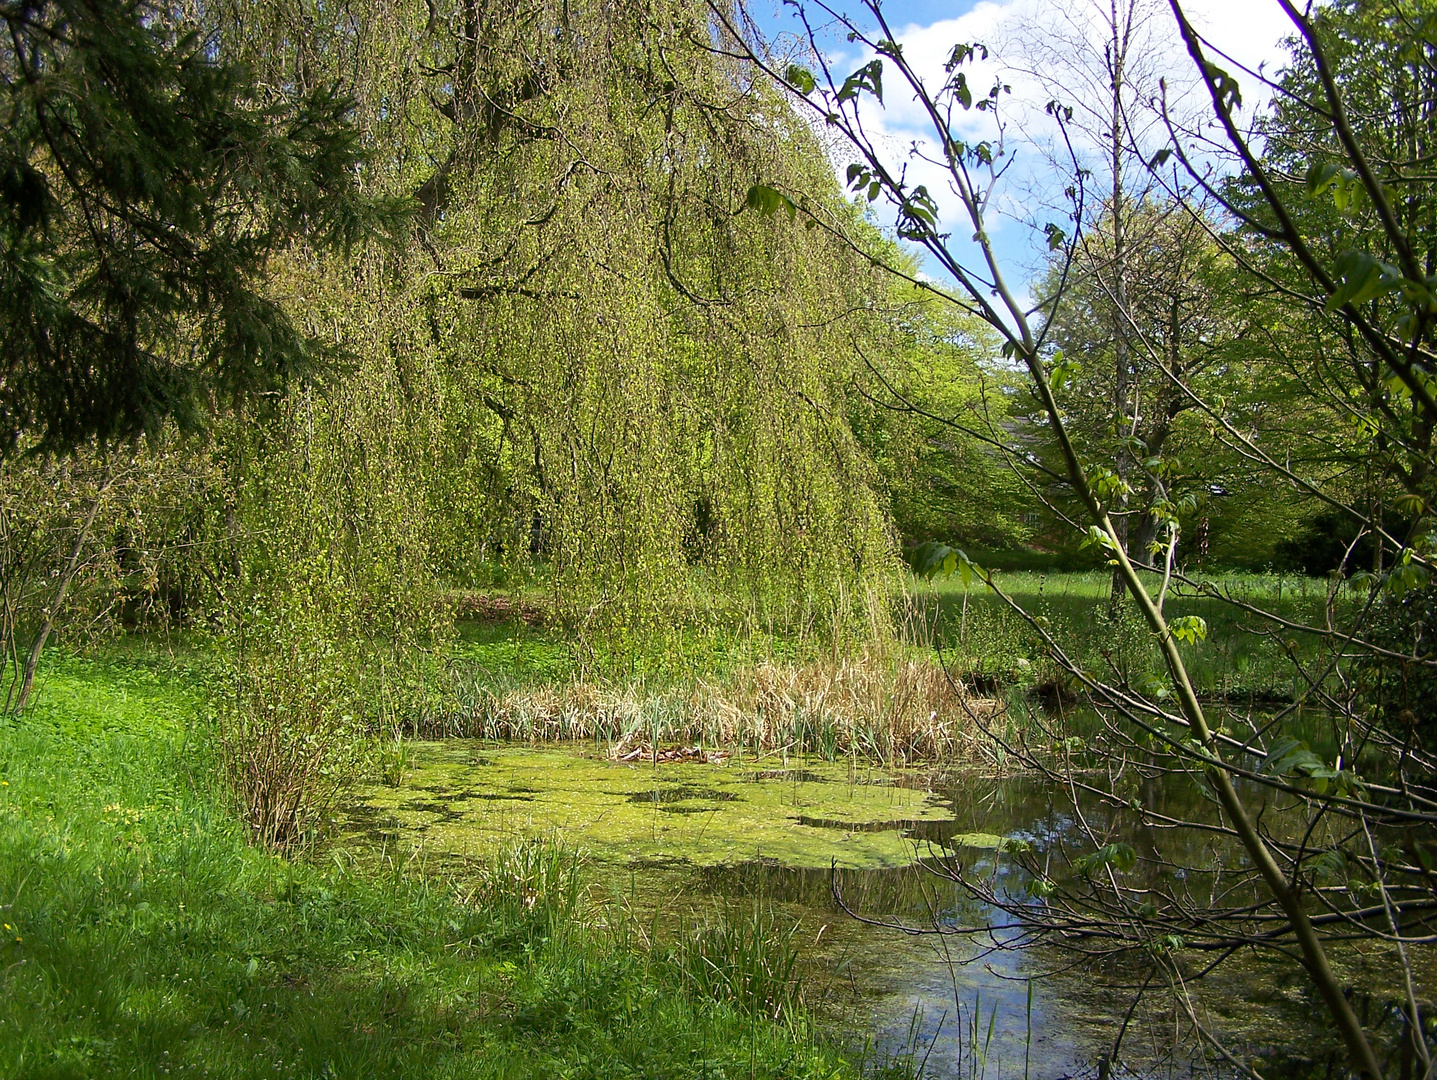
1403	690
290	739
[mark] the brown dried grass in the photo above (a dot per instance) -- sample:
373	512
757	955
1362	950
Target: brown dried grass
893	710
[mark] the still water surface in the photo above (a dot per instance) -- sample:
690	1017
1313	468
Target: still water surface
697	842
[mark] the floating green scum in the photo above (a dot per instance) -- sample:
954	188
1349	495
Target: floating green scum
467	798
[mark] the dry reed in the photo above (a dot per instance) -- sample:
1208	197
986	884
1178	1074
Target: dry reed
897	711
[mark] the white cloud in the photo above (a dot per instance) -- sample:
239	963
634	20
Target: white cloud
1068	41
1247	30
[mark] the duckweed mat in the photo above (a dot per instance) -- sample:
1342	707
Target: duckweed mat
467	798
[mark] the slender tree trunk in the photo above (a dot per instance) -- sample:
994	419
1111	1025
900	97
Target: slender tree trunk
27	680
1288	895
1117	57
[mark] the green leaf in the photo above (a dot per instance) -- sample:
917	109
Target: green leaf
769	201
1189	628
1328	176
1320	175
1154	686
959	85
935	559
869	77
1362	277
1410	505
1063	371
1224	86
800	78
1402	579
1121	857
961	54
918	216
1292	757
1097	537
1331	864
1039	888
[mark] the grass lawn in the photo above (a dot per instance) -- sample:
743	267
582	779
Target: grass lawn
1243	655
143	937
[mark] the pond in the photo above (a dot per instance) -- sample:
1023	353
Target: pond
685	842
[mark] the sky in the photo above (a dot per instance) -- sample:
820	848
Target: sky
1063	58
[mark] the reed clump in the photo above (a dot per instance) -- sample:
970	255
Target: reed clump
749	960
893	710
288	745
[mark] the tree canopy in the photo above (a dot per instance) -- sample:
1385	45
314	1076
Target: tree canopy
145	184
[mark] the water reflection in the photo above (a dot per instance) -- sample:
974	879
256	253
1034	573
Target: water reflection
677	843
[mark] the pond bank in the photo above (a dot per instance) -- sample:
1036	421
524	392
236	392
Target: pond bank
143	936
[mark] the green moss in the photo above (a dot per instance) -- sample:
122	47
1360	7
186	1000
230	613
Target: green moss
468	798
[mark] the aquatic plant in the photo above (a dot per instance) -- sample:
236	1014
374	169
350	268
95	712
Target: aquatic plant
749	959
532	885
891	710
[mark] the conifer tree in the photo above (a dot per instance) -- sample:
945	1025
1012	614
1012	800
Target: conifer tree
145	183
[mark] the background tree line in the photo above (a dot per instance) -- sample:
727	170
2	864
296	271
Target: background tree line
1308	369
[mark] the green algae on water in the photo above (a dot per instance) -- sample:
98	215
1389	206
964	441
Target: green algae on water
469	799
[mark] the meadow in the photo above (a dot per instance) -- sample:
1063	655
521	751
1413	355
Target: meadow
948	659
1242	658
145	936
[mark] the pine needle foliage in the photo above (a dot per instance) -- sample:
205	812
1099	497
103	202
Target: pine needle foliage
145	183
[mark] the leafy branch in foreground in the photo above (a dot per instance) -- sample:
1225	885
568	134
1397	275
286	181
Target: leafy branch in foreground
1307	873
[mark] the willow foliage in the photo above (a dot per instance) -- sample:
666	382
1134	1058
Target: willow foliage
590	360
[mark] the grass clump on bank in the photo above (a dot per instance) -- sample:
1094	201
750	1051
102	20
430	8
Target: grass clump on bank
892	709
146	937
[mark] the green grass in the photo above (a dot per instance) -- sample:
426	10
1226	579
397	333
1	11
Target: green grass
1240	657
513	652
144	938
510	655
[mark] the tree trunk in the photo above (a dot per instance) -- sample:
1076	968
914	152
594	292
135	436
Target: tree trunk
27	680
1117	57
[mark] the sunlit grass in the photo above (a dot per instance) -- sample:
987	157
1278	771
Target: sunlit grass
145	937
975	631
1243	654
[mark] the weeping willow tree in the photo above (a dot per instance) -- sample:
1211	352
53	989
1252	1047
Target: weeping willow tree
639	367
591	363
